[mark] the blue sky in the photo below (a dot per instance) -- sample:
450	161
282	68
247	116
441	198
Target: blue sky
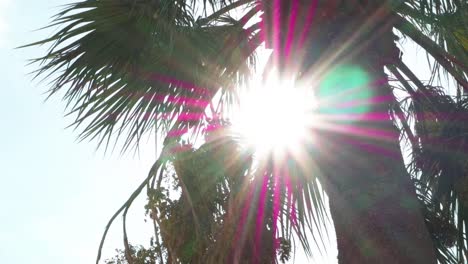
57	194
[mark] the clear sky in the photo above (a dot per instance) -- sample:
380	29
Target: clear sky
56	194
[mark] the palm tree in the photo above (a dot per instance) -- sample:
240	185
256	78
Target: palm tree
128	66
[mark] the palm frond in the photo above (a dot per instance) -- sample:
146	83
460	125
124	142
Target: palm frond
122	65
442	159
439	27
438	165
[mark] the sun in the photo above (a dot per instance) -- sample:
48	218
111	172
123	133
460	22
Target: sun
275	116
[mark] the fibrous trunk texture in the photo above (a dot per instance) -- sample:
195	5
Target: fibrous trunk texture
375	210
373	203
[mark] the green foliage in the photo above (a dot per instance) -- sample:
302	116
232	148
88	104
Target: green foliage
130	63
284	252
440	161
139	254
212	181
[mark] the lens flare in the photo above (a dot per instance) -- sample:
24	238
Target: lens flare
344	92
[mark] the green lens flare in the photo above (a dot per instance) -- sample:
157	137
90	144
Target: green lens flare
345	90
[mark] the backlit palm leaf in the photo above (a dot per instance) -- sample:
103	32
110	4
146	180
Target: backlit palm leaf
441	163
445	23
127	63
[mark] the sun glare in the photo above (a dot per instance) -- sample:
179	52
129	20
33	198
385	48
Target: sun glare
275	116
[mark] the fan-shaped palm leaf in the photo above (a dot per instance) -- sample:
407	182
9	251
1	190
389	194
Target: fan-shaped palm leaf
440	161
129	63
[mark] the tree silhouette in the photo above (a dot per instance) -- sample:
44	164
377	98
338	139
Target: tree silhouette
126	67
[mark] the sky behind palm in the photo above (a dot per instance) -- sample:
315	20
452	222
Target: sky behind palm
57	194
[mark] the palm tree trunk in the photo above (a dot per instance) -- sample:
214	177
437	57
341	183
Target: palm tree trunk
373	203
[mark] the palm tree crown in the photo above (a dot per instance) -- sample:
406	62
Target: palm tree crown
125	67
